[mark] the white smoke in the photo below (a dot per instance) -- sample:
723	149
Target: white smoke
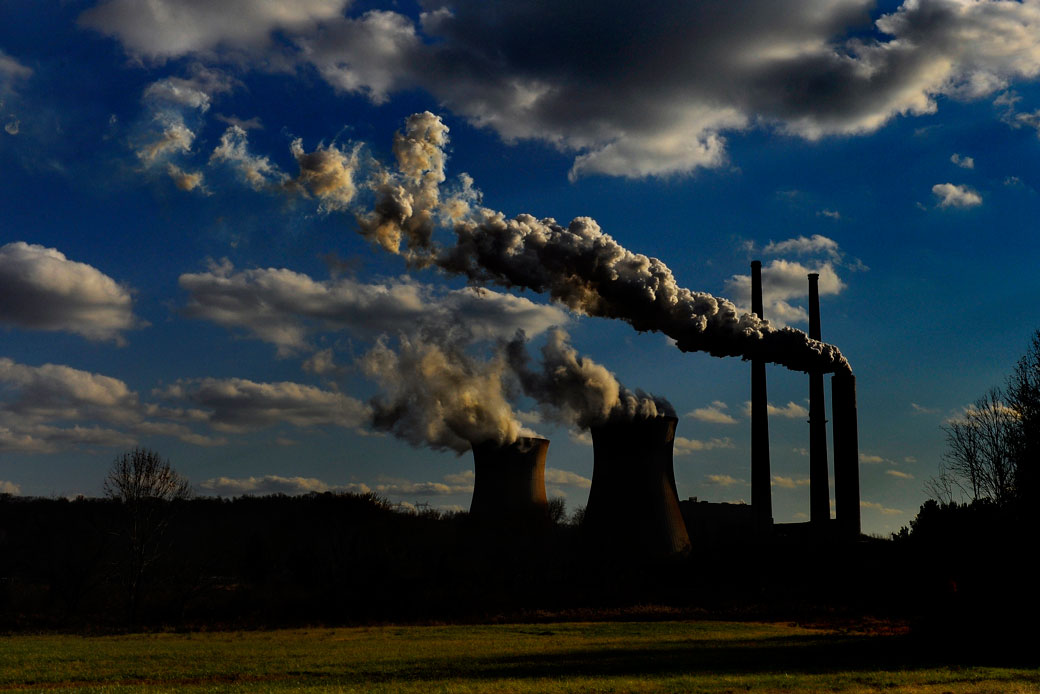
435	394
577	265
408	199
576	390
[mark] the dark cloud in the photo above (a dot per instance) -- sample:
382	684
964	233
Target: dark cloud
41	289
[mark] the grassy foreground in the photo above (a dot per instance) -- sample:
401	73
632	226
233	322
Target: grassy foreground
559	657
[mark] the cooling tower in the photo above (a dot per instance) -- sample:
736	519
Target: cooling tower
509	483
819	489
846	454
633	508
761	491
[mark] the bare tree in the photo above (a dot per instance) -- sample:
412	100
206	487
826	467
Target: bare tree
1023	394
146	487
981	451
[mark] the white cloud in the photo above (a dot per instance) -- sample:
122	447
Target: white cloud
161	29
44	290
784	281
951	195
871	459
11	70
274	484
566	478
52	407
899	474
713	414
723	480
806	245
803	67
964	162
791	410
9	487
920	409
239	405
789	482
685	446
283	307
880	508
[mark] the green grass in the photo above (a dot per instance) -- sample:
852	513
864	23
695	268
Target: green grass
563	657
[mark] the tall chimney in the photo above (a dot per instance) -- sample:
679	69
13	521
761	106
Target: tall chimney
846	454
761	493
633	507
819	489
509	483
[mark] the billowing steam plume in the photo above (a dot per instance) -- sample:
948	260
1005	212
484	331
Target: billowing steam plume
577	264
435	394
575	390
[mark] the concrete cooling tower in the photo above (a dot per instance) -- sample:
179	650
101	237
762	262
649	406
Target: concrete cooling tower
633	508
509	483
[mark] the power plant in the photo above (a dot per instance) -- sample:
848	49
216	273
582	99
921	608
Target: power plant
633	507
509	483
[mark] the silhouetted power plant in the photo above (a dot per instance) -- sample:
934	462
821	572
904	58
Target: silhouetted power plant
509	482
633	507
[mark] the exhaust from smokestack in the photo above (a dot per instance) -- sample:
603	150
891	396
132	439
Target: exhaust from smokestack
509	483
577	264
819	486
633	507
761	491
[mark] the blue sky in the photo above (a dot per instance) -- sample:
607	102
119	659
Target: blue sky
183	187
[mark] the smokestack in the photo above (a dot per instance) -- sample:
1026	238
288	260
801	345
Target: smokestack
819	491
761	499
846	454
509	483
633	506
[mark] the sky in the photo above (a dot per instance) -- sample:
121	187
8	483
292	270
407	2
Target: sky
289	245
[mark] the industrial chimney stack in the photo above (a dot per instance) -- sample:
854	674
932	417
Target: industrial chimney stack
761	492
633	507
819	487
509	483
846	454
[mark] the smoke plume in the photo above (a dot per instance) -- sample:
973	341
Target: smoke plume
437	395
576	390
577	265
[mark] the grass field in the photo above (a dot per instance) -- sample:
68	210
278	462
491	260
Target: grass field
559	657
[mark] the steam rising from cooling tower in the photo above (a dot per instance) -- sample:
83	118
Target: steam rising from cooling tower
577	264
575	390
437	395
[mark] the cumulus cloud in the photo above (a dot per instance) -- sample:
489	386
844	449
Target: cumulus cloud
784	281
11	70
566	478
283	307
53	407
185	180
713	414
640	90
238	405
162	29
789	482
10	488
41	289
791	410
871	459
723	480
805	245
951	195
899	474
685	446
880	508
964	162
